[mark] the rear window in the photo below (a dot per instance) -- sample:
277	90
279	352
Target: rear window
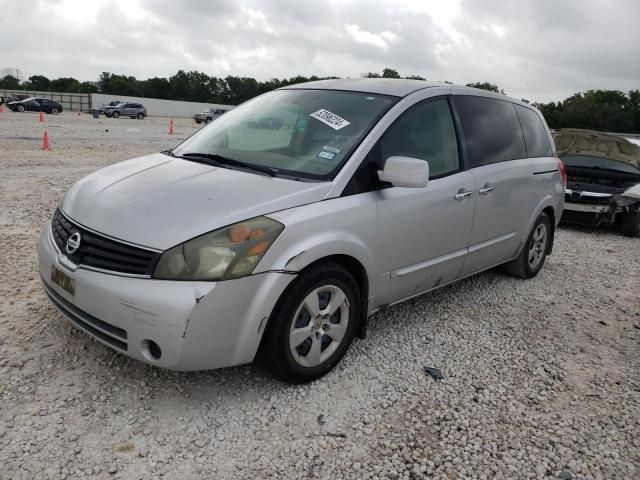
535	135
491	128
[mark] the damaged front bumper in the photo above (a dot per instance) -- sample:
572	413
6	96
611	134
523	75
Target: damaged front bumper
193	325
594	208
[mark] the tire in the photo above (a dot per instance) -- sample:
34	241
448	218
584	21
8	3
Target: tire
631	224
54	110
140	116
198	122
294	357
208	120
533	254
115	114
20	108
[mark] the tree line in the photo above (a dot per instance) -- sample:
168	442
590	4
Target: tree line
604	110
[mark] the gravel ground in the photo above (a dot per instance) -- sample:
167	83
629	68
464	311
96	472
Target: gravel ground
540	377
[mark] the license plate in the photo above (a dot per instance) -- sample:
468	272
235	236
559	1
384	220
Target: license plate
63	280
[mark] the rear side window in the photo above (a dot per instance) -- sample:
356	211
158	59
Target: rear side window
535	135
492	130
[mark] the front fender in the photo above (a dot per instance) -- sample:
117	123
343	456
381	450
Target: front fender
340	226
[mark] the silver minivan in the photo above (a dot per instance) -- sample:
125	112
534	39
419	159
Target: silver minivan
274	232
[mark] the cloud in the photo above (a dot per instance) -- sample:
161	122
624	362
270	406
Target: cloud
539	50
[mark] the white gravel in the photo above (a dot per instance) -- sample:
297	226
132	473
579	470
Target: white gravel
541	376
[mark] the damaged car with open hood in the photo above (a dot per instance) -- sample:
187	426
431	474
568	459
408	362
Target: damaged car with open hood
603	179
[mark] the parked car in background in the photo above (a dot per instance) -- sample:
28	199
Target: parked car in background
113	103
16	98
603	184
36	104
209	115
132	110
276	244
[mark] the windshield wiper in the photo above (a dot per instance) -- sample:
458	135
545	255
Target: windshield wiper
219	160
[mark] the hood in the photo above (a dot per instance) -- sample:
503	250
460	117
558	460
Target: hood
158	201
573	141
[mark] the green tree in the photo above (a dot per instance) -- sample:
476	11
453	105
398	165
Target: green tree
39	83
390	73
9	82
491	87
64	84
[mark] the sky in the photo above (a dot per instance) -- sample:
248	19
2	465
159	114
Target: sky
541	50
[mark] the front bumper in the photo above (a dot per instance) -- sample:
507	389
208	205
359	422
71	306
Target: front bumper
197	325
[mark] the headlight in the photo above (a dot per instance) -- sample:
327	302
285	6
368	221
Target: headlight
229	252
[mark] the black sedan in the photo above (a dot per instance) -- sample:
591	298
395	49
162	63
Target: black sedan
33	104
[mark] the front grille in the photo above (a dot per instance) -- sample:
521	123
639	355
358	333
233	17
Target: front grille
575	197
102	252
114	336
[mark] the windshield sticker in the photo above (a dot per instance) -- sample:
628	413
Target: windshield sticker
331	119
326	155
331	149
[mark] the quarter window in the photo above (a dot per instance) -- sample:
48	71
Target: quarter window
535	135
426	131
491	129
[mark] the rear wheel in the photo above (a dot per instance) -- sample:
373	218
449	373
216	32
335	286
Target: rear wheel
21	108
115	114
313	324
534	253
54	110
207	120
631	224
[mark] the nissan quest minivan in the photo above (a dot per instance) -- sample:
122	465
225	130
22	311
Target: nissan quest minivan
274	232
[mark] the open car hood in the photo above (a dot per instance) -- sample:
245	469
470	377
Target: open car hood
573	141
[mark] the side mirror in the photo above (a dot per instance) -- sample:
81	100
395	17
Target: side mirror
405	172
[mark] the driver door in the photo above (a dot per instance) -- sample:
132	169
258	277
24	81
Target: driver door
424	232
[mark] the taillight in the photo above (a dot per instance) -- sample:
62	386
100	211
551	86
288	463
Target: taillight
563	172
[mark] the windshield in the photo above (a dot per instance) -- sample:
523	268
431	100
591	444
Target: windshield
584	161
299	133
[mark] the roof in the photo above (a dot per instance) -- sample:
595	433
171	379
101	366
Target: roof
575	141
379	86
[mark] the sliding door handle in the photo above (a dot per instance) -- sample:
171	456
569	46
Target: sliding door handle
462	194
487	189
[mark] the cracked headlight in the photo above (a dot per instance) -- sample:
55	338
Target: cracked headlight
229	252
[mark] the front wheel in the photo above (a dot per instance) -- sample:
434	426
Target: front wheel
534	252
313	324
54	110
115	114
21	108
208	119
140	116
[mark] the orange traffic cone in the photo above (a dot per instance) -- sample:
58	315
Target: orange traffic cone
1	110
45	142
171	127
41	119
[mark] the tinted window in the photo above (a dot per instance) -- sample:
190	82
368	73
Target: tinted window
535	135
426	132
492	130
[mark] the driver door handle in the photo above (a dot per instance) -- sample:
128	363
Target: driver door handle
461	195
487	189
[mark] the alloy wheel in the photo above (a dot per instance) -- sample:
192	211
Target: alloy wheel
537	246
319	326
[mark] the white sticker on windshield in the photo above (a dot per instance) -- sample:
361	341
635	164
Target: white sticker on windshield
331	119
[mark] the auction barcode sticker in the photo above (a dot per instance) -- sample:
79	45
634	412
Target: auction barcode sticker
334	121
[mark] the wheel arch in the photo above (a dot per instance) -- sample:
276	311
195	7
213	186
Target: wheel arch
349	263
